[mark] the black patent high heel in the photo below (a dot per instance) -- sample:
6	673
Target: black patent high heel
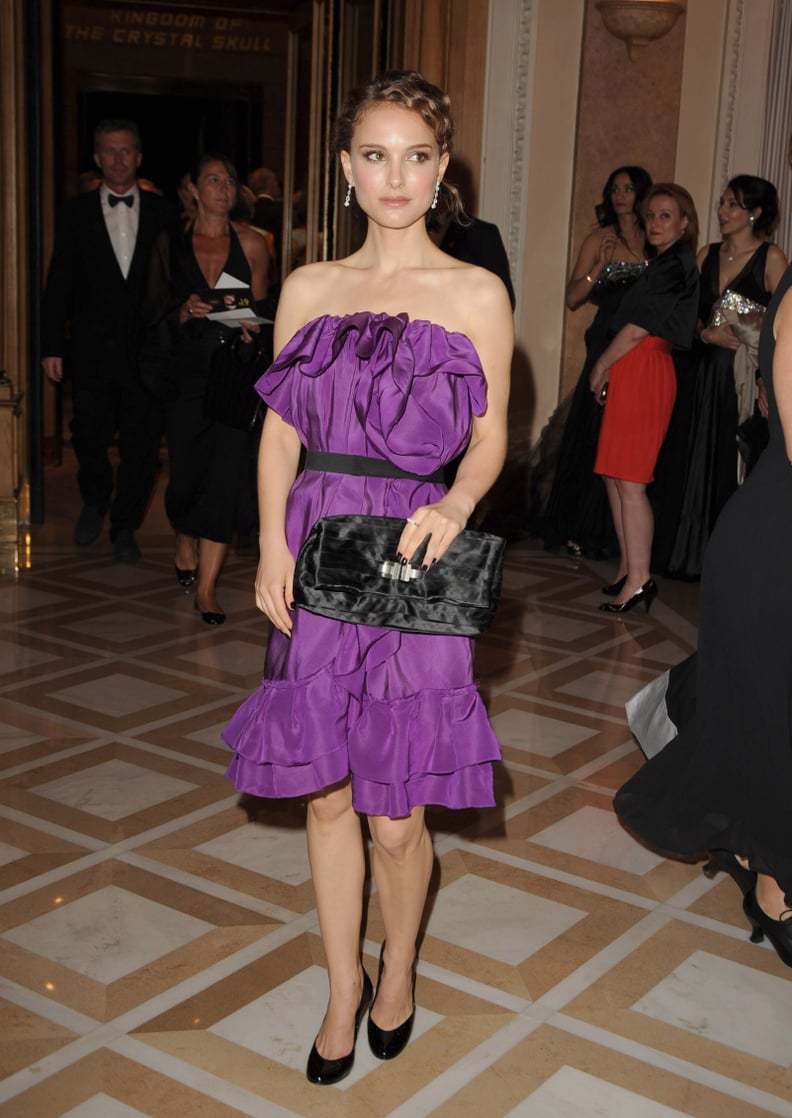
614	588
724	860
327	1072
186	576
645	595
386	1044
779	932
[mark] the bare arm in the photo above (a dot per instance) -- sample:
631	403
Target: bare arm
278	459
775	266
492	333
595	252
628	338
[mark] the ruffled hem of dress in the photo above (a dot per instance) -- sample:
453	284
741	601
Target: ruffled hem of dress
293	739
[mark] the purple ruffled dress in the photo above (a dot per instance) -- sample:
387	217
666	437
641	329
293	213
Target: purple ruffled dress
400	712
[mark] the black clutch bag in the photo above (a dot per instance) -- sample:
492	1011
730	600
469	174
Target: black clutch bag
236	365
348	569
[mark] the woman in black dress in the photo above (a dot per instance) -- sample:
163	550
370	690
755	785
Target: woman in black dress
725	782
744	263
207	460
611	259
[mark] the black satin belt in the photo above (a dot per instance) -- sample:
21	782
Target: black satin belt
359	466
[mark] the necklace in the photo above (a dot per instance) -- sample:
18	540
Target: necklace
738	252
620	237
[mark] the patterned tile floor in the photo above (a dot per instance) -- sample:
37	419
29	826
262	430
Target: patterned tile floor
159	952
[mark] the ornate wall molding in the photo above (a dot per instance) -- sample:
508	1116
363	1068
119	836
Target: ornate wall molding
747	50
776	154
507	125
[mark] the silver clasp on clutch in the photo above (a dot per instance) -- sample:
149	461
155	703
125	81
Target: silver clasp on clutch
398	571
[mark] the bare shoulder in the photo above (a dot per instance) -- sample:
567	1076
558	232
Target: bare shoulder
311	284
489	323
304	296
482	293
776	254
253	244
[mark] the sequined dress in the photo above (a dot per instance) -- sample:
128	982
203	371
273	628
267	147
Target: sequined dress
400	712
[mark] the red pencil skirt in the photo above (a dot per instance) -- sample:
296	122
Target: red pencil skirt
641	394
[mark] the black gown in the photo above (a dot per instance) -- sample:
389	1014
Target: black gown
709	473
725	780
577	508
208	460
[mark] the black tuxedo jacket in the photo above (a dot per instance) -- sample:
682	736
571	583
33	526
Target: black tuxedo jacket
86	287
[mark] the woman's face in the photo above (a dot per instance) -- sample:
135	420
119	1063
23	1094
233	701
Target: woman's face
393	165
215	191
622	194
665	224
732	218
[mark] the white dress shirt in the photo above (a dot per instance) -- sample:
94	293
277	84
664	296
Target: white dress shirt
122	225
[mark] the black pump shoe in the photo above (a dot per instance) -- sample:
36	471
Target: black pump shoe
327	1072
185	576
614	588
779	932
386	1044
209	616
646	594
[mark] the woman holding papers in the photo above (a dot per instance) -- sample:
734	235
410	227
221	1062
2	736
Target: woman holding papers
206	282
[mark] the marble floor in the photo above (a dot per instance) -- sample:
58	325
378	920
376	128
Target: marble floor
159	951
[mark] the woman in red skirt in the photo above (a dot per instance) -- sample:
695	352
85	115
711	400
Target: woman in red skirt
636	376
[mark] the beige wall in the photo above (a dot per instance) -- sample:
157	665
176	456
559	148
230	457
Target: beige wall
629	112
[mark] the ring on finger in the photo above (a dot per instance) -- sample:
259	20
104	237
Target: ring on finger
189	309
410	520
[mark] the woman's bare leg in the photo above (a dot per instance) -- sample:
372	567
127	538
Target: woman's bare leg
335	850
616	512
211	556
770	897
638	529
186	558
402	865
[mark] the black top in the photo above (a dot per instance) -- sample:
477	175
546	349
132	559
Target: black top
479	243
749	281
664	300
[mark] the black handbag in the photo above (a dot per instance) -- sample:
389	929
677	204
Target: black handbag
348	569
236	365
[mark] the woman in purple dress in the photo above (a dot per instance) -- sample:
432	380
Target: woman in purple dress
398	353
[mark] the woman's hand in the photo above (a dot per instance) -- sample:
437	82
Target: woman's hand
249	329
194	307
275	586
722	335
444	520
607	247
598	382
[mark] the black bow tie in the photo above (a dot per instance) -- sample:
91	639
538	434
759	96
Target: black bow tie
114	199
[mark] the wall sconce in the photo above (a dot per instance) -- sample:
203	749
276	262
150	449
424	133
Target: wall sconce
638	22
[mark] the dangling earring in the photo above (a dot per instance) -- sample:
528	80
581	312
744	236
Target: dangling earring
436	195
348	198
751	218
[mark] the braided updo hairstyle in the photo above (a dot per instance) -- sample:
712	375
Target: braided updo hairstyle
408	90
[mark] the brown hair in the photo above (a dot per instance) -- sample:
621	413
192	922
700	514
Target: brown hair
686	206
408	90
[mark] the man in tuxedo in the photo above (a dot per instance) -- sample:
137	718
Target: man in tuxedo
96	282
